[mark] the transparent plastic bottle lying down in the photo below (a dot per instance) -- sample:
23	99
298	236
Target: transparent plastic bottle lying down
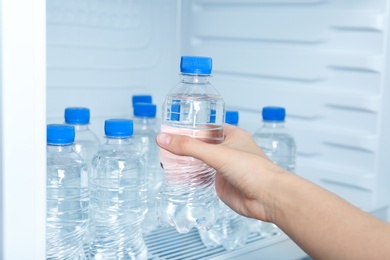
194	107
118	195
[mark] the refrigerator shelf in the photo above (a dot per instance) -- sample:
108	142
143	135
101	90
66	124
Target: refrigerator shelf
166	243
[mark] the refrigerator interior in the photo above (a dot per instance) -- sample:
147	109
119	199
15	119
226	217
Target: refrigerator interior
325	61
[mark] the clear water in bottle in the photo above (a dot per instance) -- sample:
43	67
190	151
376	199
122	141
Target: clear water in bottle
118	195
231	230
194	107
86	144
146	128
67	195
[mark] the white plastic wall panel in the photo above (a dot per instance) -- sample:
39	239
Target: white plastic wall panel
325	61
100	53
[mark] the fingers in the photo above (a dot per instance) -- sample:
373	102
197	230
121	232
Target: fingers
232	163
229	128
241	140
211	154
240	174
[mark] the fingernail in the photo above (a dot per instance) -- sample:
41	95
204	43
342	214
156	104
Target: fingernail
164	139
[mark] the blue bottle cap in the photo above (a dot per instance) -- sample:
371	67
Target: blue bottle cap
274	113
145	110
77	115
196	65
60	134
118	127
141	99
231	117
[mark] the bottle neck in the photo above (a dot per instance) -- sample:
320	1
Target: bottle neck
60	148
273	124
78	127
118	140
195	79
144	120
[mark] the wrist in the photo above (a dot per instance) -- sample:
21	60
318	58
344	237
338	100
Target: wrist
274	185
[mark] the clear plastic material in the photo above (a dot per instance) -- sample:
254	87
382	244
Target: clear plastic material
231	230
146	127
86	144
118	195
67	196
194	107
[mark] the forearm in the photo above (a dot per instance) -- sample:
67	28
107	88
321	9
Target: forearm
324	225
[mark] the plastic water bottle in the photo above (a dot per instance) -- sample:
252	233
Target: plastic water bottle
118	195
86	144
145	132
193	107
279	145
275	139
231	230
232	117
67	195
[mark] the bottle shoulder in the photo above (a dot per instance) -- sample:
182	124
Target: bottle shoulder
128	150
67	157
86	136
194	88
144	126
276	129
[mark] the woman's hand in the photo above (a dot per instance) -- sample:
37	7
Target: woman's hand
241	181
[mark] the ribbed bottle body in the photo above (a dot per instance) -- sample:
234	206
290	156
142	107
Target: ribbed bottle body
67	203
145	132
187	198
118	201
231	230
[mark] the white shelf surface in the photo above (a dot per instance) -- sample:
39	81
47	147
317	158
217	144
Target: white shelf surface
166	243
